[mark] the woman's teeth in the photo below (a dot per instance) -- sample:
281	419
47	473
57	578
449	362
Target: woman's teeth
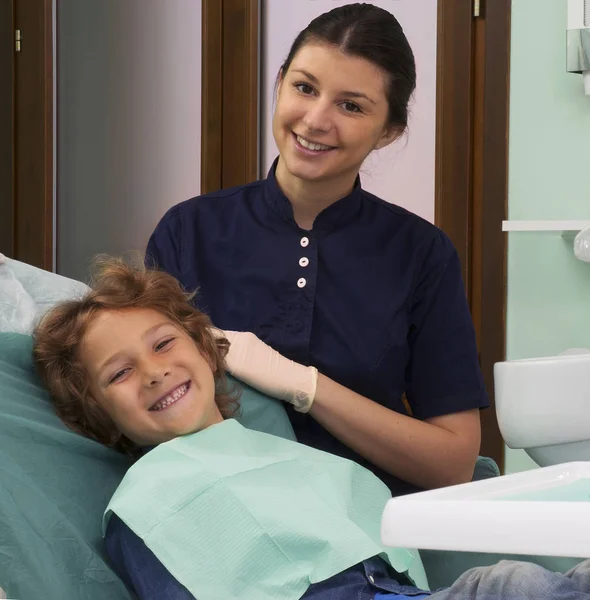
171	398
311	145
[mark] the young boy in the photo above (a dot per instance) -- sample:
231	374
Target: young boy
212	510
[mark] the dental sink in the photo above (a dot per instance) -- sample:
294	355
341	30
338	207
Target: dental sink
543	406
543	512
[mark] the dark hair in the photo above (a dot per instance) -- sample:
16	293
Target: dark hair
372	33
117	286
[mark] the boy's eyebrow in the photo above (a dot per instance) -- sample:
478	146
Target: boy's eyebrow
118	355
349	94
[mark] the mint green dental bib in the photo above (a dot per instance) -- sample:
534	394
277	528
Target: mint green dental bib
235	513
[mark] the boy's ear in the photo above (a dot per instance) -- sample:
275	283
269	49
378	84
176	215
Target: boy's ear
211	360
220	346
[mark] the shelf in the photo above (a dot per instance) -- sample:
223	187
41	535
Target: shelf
557	226
569	231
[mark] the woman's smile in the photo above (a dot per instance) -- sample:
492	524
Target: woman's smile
311	149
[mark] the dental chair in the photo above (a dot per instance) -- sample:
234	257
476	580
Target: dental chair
55	484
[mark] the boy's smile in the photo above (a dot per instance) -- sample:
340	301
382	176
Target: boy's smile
172	397
148	375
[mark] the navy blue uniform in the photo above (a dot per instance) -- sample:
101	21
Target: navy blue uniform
372	296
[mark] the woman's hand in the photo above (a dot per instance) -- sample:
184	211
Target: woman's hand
257	364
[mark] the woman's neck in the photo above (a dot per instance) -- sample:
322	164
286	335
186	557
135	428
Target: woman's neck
310	198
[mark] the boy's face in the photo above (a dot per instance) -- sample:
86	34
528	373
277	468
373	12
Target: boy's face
148	375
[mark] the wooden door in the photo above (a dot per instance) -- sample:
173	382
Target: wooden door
26	131
472	171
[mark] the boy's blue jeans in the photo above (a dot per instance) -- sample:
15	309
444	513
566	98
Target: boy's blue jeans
506	580
512	580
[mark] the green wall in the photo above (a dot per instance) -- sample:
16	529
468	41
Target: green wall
549	178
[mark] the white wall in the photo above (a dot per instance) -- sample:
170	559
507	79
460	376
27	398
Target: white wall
128	121
403	173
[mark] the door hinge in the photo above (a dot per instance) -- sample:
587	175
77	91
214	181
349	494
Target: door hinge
477	8
17	40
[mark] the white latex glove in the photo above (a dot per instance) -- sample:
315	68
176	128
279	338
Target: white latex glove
265	369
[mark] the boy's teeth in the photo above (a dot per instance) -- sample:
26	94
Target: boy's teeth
310	145
170	399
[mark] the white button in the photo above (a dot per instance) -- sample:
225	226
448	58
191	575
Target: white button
305	242
371	579
304	261
301	283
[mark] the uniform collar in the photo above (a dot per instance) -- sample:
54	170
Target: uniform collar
335	215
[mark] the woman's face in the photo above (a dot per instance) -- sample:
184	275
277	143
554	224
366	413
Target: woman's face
331	113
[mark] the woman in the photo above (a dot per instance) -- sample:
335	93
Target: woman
332	276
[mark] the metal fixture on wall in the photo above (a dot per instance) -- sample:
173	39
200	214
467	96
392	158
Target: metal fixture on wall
578	40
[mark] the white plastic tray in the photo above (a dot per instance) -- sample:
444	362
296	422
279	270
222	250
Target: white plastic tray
541	512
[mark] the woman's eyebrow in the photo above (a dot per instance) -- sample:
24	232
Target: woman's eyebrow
307	74
349	94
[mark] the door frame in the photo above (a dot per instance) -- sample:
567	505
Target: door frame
230	147
7	29
490	201
472	172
